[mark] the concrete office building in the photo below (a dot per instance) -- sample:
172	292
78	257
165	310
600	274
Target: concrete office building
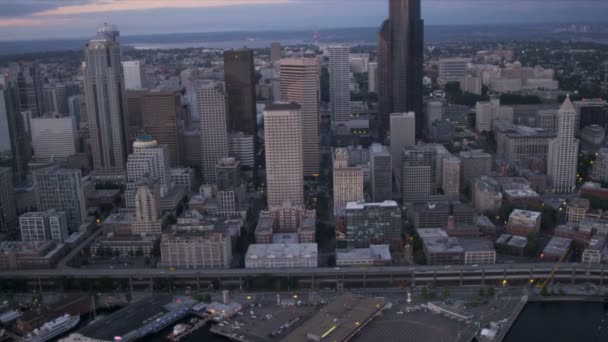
478	251
148	160
56	97
161	118
284	160
44	226
242	147
347	182
13	137
135	76
373	223
275	52
147	208
486	194
547	120
563	151
61	190
435	110
372	77
419	173
239	75
106	102
339	82
489	111
214	127
359	63
403	133
524	222
452	69
228	174
292	255
599	172
439	248
474	164
521	143
381	173
451	177
8	211
54	137
26	79
300	84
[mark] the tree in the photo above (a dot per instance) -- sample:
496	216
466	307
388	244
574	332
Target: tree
531	247
491	292
482	292
544	292
37	298
446	293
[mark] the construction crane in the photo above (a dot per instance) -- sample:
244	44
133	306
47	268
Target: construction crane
553	270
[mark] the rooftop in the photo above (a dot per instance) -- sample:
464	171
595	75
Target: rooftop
364	205
283	250
373	253
281	106
476	245
557	246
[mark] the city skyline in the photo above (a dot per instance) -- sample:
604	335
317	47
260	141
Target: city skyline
73	19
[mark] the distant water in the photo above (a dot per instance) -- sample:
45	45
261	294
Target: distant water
231	44
561	322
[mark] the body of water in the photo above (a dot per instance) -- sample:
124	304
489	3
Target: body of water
561	322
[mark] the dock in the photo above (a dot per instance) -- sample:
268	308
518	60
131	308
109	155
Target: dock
511	319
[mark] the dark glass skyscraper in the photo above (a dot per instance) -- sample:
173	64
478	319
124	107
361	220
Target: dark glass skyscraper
26	78
239	74
405	31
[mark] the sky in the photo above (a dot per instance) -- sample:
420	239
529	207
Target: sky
41	19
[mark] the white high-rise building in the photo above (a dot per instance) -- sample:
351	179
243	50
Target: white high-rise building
147	208
54	136
135	77
214	127
347	182
284	162
242	147
451	177
372	77
434	111
106	101
44	226
452	69
487	112
563	151
300	84
403	133
339	82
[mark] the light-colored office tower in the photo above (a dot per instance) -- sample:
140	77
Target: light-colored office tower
13	136
381	173
106	101
135	76
228	174
148	160
161	118
55	98
8	210
54	137
214	127
563	151
275	52
283	136
347	182
147	208
242	147
419	173
44	226
521	143
451	177
471	84
489	111
339	82
61	190
372	77
300	84
403	133
434	111
474	164
452	69
26	78
359	63
547	119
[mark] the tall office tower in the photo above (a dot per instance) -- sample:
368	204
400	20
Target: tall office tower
339	82
8	211
300	84
54	136
44	226
563	151
403	133
228	172
406	58
489	111
434	111
14	151
239	75
61	190
26	79
381	173
147	208
148	160
135	77
106	101
275	52
242	147
372	77
55	98
161	117
135	111
591	112
474	164
419	173
452	69
283	136
347	181
214	129
451	177
74	103
384	80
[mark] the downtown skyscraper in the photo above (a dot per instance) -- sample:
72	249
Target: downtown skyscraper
239	76
106	101
400	59
25	77
563	151
339	80
214	127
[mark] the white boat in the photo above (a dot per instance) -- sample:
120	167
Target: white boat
179	329
54	328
